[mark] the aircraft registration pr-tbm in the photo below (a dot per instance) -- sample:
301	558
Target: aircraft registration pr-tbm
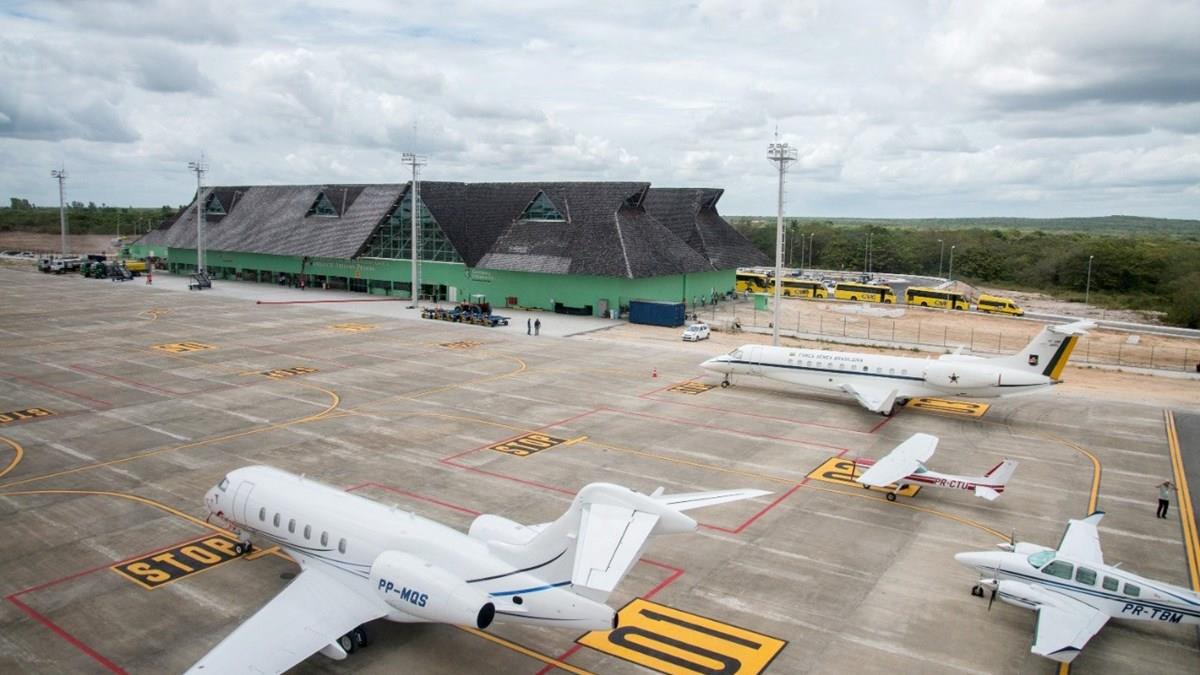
361	560
880	383
1073	591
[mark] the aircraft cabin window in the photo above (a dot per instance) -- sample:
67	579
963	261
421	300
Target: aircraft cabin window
1132	591
342	545
262	514
1040	558
1110	584
891	371
224	484
904	371
866	369
276	521
1085	576
308	531
324	538
1059	569
292	525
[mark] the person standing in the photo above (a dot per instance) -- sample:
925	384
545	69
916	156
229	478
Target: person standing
1164	497
537	327
529	326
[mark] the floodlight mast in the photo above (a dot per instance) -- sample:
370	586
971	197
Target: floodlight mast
199	168
780	154
416	162
61	175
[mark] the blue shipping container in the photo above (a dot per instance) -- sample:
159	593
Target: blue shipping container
657	313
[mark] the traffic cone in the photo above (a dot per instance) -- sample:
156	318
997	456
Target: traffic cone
149	276
654	372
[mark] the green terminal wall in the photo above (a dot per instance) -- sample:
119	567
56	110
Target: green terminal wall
453	281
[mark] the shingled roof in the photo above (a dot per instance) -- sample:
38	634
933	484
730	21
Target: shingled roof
608	229
691	214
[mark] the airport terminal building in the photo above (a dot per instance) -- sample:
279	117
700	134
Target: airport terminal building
580	248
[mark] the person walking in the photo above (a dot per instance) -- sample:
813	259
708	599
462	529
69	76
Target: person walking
1164	497
529	326
537	326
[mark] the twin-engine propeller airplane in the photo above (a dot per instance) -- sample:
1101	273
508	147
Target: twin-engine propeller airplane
906	464
1073	591
880	383
361	560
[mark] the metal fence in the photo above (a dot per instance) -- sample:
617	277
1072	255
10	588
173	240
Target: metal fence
1101	351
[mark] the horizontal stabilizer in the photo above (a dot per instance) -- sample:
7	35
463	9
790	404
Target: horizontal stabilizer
696	500
610	541
986	492
1074	328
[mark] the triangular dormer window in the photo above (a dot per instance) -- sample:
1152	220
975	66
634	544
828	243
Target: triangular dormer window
323	207
541	208
213	206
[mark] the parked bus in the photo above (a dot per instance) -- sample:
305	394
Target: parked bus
754	282
865	292
999	305
932	297
803	288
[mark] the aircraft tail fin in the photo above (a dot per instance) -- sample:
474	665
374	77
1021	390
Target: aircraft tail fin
1047	353
603	533
998	478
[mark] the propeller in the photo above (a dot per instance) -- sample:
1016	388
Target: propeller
995	584
1011	544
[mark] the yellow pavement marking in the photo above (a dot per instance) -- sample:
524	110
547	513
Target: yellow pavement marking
24	414
528	444
672	641
949	406
182	347
260	552
353	327
461	344
154	313
18	451
281	373
691	387
166	566
1094	496
194	444
1191	539
520	649
844	471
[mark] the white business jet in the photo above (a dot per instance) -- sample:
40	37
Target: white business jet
906	464
880	383
361	560
1073	591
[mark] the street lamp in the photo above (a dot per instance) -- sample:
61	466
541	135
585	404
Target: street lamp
950	273
941	254
61	175
199	168
780	154
810	249
1087	290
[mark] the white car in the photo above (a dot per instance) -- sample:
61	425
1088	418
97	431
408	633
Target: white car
695	332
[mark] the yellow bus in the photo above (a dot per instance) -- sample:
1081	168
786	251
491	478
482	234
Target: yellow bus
754	282
999	305
866	292
803	288
932	297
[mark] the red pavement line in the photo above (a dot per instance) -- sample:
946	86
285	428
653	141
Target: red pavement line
477	448
414	495
668	386
319	302
879	426
762	512
720	428
773	418
562	658
97	568
76	642
514	479
51	387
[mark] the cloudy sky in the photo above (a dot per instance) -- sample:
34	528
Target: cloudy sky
897	109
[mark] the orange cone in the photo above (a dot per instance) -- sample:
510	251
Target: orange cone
654	372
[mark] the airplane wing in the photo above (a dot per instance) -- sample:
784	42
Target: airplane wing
874	398
1081	540
905	459
610	541
1064	628
696	500
310	613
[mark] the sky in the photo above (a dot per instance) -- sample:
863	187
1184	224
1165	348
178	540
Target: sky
895	108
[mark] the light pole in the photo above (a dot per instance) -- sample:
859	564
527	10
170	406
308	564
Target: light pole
1087	290
200	168
416	162
941	254
802	249
781	154
950	273
61	175
811	235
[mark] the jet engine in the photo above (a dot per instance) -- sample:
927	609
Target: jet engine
495	528
961	376
420	589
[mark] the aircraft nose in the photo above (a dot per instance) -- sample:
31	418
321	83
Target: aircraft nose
974	559
713	364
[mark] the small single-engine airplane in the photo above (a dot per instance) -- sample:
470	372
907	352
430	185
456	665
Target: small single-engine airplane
361	560
880	383
906	464
1073	591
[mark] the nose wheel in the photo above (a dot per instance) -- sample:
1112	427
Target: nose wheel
977	591
725	382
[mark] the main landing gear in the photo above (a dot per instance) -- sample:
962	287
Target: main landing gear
352	641
891	496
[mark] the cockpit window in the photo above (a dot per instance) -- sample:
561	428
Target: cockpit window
737	353
224	484
1041	558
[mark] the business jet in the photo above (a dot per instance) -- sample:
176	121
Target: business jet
361	560
880	383
1073	591
906	464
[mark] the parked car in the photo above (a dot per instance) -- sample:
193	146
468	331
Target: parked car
696	332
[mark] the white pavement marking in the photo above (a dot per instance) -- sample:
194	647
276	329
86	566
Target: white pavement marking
115	416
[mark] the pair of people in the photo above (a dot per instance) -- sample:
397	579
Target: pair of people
536	326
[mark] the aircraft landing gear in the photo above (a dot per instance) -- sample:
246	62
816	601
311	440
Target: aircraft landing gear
891	496
977	591
242	546
725	382
354	640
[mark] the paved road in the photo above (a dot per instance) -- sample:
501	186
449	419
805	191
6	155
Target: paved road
1187	426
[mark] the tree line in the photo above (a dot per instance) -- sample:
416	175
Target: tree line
1128	271
23	216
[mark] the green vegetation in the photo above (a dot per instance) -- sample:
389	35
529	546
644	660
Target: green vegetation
1137	271
22	216
1115	225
